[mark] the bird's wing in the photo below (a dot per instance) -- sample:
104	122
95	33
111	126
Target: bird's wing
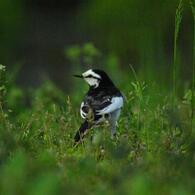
114	104
98	107
93	105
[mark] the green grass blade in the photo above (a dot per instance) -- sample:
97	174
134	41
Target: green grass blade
178	18
192	3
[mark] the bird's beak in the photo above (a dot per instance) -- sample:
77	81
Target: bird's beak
78	76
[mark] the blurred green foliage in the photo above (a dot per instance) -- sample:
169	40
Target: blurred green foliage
153	153
85	54
141	33
139	25
11	20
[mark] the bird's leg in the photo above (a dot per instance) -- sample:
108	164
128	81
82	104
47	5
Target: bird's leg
113	121
113	131
81	132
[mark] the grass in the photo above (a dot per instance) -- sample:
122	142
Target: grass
153	153
178	18
192	3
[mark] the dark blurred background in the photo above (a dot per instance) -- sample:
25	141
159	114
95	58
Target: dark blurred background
34	35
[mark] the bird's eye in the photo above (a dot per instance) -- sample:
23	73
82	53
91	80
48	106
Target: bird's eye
89	76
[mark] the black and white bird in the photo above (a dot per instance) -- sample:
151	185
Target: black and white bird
103	102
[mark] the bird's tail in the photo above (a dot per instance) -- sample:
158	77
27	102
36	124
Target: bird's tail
81	132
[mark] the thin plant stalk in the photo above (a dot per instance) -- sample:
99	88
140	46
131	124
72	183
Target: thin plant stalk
140	100
192	3
178	18
136	78
137	81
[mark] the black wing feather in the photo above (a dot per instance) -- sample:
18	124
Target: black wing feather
95	105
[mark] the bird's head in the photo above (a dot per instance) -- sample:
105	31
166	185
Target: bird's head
95	78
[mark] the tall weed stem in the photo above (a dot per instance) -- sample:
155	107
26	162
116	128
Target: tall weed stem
178	18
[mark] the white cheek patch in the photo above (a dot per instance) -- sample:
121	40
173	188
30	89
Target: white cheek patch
92	81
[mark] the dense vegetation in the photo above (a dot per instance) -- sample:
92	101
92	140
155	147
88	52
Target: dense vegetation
154	152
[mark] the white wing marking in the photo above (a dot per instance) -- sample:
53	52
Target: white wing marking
117	103
83	114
